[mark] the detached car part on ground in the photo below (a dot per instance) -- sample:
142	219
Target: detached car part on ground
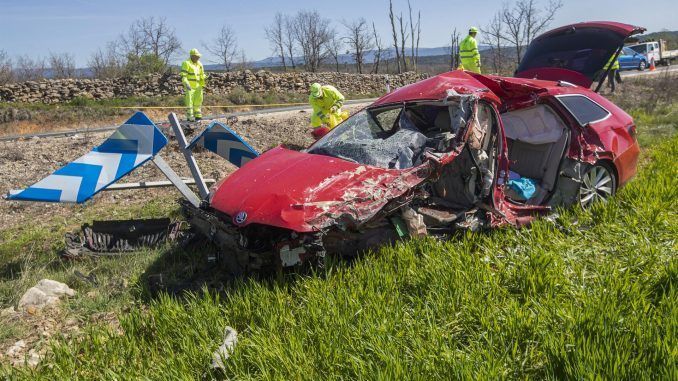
441	154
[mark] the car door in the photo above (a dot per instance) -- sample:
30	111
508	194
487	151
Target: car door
574	53
627	59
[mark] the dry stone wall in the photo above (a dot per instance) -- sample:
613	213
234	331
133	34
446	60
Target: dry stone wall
64	90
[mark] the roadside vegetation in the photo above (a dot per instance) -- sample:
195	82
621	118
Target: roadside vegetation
584	295
18	118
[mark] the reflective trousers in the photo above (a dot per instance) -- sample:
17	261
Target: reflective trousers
193	102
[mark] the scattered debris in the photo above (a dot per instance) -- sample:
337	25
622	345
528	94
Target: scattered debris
226	349
114	237
47	292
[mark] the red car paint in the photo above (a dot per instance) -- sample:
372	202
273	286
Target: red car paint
304	192
436	88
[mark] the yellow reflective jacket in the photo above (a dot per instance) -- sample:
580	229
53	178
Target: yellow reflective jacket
321	106
469	54
615	65
192	74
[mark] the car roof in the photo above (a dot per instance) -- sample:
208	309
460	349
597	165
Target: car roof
437	87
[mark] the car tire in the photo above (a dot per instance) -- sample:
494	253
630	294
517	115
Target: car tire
598	184
642	65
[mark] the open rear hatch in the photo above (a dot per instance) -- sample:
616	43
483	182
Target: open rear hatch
574	53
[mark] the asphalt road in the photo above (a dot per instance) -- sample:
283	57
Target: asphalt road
660	70
207	118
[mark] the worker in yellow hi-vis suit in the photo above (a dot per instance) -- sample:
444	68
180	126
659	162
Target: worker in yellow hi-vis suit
613	76
193	78
327	102
468	52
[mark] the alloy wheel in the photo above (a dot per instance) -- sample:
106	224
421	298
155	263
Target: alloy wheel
598	184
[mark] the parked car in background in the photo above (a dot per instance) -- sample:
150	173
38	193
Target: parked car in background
629	59
656	51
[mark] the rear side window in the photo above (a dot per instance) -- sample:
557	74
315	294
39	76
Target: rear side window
584	110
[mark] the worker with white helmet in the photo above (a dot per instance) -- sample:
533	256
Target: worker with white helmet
193	78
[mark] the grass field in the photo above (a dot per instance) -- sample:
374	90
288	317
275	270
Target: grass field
587	295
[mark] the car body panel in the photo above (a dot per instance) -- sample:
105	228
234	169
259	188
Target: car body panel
304	192
575	53
438	88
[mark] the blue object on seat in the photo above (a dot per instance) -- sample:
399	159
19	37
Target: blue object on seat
524	187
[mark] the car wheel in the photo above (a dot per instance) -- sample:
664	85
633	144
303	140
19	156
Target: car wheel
642	65
598	184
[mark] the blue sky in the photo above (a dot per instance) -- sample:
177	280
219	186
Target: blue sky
36	27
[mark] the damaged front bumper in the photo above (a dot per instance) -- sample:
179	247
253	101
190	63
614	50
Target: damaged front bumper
254	247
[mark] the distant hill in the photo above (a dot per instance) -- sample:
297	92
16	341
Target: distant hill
670	36
348	57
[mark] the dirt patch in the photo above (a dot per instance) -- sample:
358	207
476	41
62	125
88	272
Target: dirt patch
24	162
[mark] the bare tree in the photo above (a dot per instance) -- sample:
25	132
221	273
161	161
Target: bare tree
243	63
312	33
161	40
524	21
149	36
104	63
275	34
62	65
224	47
6	73
416	51
536	20
334	47
454	49
391	17
28	69
289	40
379	49
492	36
415	30
403	41
359	39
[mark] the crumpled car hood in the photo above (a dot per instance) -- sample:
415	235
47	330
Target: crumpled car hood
305	192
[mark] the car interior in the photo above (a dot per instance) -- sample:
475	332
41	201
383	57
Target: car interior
536	139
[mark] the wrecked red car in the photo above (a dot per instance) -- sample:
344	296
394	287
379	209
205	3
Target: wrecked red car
458	150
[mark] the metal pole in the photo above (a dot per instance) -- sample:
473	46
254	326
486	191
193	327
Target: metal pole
192	164
176	180
151	184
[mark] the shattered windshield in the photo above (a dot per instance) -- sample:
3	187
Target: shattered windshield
393	137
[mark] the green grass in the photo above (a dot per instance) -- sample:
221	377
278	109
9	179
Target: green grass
589	295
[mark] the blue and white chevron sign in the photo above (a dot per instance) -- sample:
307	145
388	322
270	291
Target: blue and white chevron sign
131	145
224	142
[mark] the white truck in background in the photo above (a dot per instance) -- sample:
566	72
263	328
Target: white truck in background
656	51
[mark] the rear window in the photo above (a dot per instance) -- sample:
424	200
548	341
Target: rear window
584	110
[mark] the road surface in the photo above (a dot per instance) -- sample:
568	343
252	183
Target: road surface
660	70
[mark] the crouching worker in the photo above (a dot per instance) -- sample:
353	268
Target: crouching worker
327	113
193	78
